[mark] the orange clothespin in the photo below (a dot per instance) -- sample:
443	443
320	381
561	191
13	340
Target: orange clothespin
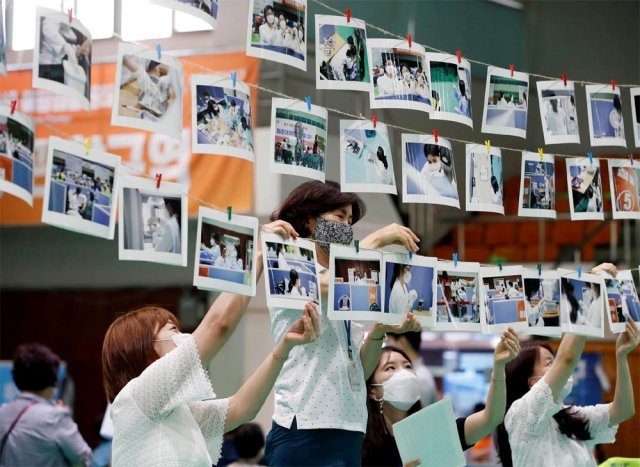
409	39
158	180
459	54
511	67
435	135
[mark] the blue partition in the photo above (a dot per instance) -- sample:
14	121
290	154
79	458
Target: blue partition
505	311
101	215
338	291
57	197
22	175
226	274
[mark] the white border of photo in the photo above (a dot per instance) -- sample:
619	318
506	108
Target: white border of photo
581	216
3	55
219	217
635	115
462	268
501	129
492	271
590	89
169	190
7	186
615	328
582	329
557	86
535	212
450	116
615	212
190	10
73	223
470	149
550	331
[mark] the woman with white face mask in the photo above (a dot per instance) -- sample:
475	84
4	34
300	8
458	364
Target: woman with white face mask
394	394
269	34
538	429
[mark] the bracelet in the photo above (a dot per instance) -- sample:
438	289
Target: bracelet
278	357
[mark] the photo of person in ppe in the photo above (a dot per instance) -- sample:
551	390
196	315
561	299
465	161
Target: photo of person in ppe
167	237
437	176
402	298
393	393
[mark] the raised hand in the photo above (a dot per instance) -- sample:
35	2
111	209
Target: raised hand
306	329
410	323
628	340
393	234
282	228
608	267
507	349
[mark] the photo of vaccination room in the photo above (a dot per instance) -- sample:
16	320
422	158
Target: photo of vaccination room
16	159
292	271
225	254
357	285
505	299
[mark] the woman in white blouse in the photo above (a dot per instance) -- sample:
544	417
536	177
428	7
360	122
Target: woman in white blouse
164	409
538	429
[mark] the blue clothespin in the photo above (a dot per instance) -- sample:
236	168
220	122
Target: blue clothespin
229	213
579	271
455	259
308	101
234	78
539	269
357	242
410	254
500	264
159	50
590	158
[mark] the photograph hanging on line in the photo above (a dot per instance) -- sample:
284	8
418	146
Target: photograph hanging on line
277	31
542	302
457	296
366	164
291	274
428	171
485	189
206	10
298	138
354	285
537	186
81	189
225	256
558	112
221	117
153	221
505	103
17	132
341	54
582	304
503	299
604	109
586	199
621	300
3	56
148	91
62	56
635	114
409	286
624	180
450	88
399	75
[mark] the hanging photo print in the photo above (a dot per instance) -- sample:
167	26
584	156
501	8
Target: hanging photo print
399	75
366	165
81	189
537	186
221	117
635	114
542	302
409	286
148	91
485	191
624	180
291	274
558	112
428	171
604	109
62	56
277	31
582	304
457	294
503	303
225	252
298	138
16	154
505	102
585	184
450	88
341	54
152	221
3	56
206	10
621	300
354	286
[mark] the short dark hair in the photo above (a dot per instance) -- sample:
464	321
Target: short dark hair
248	440
35	367
414	338
313	198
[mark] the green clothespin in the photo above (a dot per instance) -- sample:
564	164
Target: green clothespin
539	269
357	242
500	264
229	213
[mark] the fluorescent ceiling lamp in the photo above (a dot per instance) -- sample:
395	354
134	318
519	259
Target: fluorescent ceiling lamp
140	20
184	22
23	20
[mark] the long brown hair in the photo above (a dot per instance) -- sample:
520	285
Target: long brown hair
128	348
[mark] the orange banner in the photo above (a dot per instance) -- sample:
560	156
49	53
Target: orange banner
219	180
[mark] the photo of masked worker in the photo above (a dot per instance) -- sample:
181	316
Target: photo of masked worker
62	56
537	186
586	197
582	304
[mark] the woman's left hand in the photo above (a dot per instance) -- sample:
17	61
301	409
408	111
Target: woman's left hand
629	339
410	323
393	234
507	349
306	329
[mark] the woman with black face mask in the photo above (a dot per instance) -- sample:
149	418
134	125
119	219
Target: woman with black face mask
321	414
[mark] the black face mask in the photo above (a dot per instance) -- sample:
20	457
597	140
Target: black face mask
328	232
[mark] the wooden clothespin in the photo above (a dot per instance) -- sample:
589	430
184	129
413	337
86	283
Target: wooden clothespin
487	143
541	154
500	264
539	269
564	79
229	213
159	51
613	84
70	13
435	135
348	12
511	68
14	103
459	54
357	244
409	40
590	156
158	180
455	259
87	145
234	78
374	119
308	101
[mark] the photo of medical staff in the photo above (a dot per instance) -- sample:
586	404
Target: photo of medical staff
206	10
409	288
635	114
62	56
16	154
542	304
485	191
450	88
399	76
622	300
149	91
604	109
341	54
428	171
558	112
537	186
624	180
3	58
584	180
277	31
299	138
366	164
291	273
505	110
356	286
582	305
457	299
503	298
221	119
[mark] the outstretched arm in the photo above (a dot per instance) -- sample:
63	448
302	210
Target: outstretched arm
622	408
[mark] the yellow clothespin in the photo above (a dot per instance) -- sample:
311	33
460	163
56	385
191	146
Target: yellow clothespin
541	153
487	143
87	145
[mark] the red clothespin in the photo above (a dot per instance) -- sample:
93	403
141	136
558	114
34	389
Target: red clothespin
13	106
459	54
409	40
348	15
375	120
435	135
613	84
70	13
564	79
158	180
511	67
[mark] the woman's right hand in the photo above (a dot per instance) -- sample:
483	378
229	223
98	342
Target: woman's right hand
305	330
605	267
282	228
393	234
507	349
